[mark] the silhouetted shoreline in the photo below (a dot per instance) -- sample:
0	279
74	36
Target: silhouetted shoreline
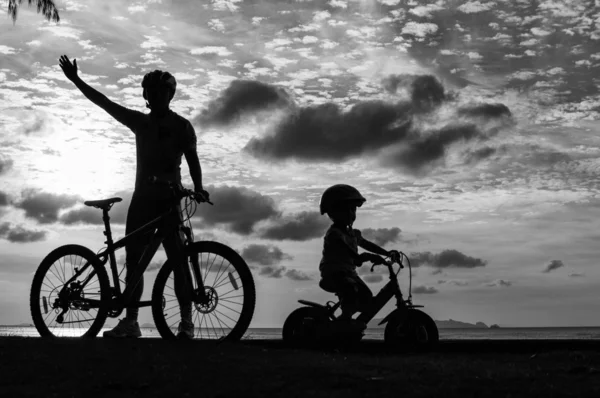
155	367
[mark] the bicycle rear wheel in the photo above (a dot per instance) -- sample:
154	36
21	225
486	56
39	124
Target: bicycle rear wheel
228	284
73	310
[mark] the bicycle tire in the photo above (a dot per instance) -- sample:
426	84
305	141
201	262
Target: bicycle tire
38	301
402	333
233	333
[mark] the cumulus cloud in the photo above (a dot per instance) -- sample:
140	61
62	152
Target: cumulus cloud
43	206
381	236
301	226
240	98
326	132
19	234
296	275
554	265
237	208
264	254
372	278
424	290
446	259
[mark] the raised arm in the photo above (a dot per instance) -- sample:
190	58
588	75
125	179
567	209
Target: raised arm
120	113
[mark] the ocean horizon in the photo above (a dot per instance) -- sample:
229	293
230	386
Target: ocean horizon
508	333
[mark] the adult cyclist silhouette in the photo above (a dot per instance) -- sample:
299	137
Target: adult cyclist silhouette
161	138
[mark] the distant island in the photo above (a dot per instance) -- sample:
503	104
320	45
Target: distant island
449	324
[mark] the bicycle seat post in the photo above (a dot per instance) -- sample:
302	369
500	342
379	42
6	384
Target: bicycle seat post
107	231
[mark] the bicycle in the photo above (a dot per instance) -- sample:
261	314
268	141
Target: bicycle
71	285
406	326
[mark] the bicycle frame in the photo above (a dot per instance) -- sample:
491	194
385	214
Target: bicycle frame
387	292
159	232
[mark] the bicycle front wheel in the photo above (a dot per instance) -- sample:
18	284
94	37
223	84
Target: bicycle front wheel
64	306
229	288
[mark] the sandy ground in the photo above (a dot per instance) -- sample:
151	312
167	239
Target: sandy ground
35	367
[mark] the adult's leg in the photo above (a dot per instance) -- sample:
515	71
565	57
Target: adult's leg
174	247
141	210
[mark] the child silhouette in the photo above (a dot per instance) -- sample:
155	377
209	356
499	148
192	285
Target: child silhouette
340	252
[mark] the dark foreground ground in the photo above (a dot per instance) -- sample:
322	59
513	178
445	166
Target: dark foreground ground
156	368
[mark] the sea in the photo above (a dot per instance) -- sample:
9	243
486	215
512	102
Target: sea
509	333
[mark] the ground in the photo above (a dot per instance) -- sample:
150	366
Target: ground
32	367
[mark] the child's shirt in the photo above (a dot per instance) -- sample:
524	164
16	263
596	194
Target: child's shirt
340	250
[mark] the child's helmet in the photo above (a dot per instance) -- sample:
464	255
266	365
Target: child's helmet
340	193
158	77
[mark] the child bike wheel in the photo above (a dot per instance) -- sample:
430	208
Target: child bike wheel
414	331
69	315
230	289
304	326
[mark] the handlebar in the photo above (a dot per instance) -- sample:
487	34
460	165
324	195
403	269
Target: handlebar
179	190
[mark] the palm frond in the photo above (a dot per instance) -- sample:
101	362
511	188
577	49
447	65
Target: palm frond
46	7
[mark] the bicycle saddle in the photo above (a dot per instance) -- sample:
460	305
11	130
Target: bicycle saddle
103	204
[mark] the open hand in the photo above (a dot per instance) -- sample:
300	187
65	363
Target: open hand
69	69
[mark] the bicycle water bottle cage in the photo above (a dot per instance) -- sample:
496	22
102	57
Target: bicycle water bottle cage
104	204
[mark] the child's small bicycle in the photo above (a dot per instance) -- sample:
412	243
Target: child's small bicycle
71	293
406	327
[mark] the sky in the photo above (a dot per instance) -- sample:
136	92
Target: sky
471	127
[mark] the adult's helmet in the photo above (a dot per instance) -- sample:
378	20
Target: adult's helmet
340	193
158	78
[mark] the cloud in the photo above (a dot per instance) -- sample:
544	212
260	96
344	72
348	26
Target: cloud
576	274
479	154
43	206
238	208
272	271
6	164
240	98
84	215
36	125
4	199
301	226
394	130
296	275
18	234
446	259
554	265
485	110
454	282
500	283
424	290
264	254
381	236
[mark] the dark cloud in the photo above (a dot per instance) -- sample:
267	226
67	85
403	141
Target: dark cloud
301	226
424	290
576	274
85	215
500	283
5	164
479	154
325	132
242	97
446	259
264	255
44	207
485	110
4	199
554	264
238	208
272	271
381	236
296	275
430	150
18	234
